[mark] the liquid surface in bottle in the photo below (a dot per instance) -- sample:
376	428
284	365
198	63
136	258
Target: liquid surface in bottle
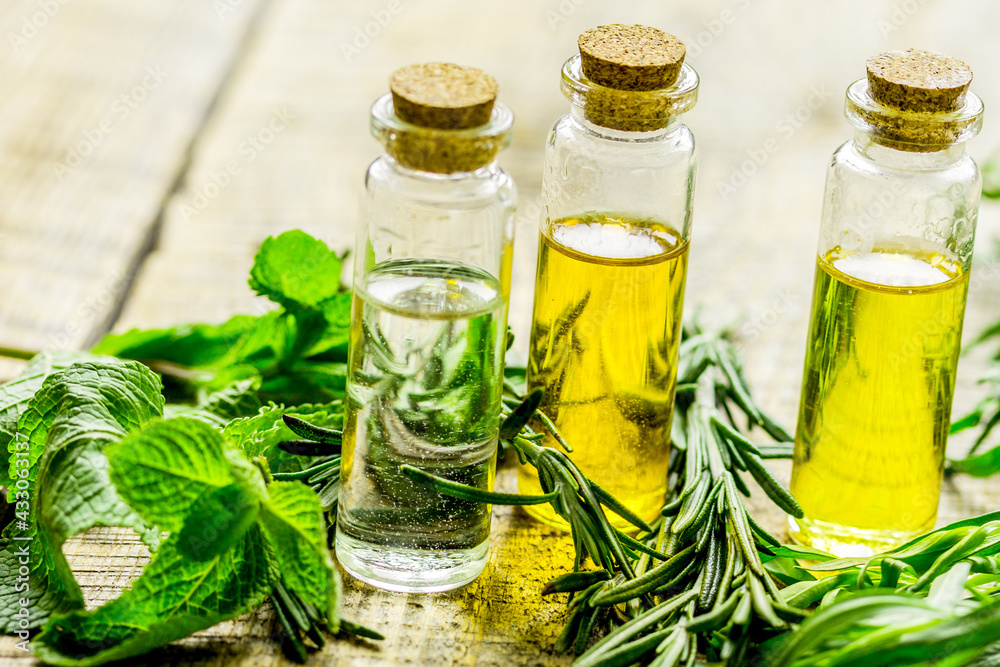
876	398
604	341
423	389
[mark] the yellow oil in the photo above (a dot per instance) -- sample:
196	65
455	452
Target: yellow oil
876	398
604	340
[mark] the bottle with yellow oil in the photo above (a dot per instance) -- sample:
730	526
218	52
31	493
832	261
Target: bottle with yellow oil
617	190
892	273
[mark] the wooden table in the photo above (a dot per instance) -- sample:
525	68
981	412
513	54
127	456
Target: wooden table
147	148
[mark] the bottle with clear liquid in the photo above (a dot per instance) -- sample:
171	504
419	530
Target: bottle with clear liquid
892	271
617	190
428	330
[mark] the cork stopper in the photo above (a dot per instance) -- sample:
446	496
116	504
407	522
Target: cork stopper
443	96
918	81
631	57
442	118
915	101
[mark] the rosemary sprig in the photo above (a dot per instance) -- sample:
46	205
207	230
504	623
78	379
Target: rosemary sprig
573	496
323	476
715	583
299	620
695	581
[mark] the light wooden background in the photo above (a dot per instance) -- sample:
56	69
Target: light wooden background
120	120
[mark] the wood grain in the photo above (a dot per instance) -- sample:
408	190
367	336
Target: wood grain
102	100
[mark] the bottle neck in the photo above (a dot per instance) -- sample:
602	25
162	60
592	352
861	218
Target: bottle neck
578	114
866	144
405	171
442	152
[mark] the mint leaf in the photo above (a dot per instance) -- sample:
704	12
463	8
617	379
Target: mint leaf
73	494
15	395
49	585
259	435
64	428
232	540
298	350
164	470
332	346
293	524
217	520
237	399
264	344
174	597
189	345
306	382
108	399
296	271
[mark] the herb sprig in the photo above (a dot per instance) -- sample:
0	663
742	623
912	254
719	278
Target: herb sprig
694	582
985	416
934	598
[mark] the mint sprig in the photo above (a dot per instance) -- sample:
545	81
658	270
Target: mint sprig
232	539
297	351
90	435
63	429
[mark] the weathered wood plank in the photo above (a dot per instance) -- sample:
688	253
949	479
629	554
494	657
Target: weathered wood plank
101	101
752	253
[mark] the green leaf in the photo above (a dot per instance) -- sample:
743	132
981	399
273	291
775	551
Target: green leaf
164	470
66	426
920	552
296	271
795	551
190	345
296	531
174	597
16	394
983	465
881	628
73	495
516	377
947	590
217	520
237	399
835	623
332	346
262	345
306	382
106	398
259	435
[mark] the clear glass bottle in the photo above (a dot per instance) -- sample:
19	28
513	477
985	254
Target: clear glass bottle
429	322
617	190
895	251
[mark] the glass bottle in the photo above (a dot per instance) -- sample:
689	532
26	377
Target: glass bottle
895	251
428	330
617	191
